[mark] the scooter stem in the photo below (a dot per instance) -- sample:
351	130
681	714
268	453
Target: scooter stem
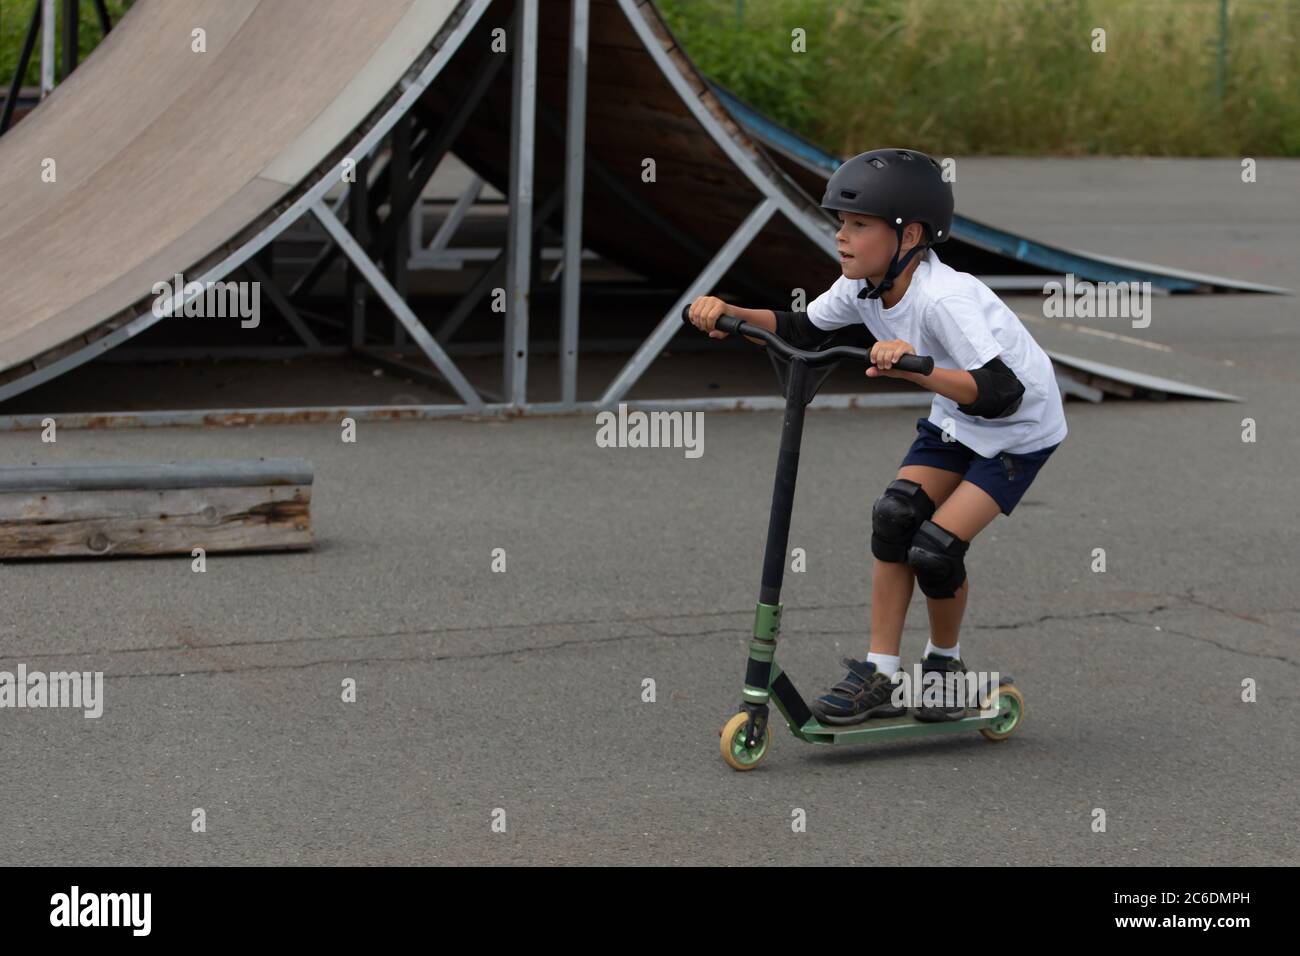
787	471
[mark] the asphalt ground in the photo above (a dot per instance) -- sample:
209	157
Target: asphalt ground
481	692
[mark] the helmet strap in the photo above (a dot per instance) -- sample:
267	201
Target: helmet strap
895	267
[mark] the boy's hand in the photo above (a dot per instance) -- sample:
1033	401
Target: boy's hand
705	312
884	355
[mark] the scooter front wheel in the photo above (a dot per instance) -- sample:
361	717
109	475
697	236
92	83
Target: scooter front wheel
732	743
1011	705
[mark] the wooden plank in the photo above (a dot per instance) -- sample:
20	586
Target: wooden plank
101	523
114	475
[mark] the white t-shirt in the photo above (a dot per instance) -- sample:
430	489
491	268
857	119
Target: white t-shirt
956	319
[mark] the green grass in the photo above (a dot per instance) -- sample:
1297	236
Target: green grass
964	77
14	18
1006	77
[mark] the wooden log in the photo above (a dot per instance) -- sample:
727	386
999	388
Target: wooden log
118	508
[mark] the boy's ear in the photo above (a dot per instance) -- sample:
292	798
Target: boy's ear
913	235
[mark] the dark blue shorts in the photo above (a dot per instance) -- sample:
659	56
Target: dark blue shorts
1006	478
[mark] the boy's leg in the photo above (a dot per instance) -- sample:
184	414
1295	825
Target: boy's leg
967	511
892	582
857	697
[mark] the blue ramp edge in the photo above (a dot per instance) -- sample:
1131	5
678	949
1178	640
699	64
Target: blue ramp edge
1052	259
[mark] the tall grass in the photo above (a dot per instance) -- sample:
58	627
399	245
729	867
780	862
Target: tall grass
1011	76
14	18
977	76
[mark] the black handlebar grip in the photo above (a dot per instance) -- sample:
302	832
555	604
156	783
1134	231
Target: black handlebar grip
924	364
725	323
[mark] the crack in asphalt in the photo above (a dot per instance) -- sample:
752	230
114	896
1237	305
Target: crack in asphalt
693	615
1191	598
1208	640
647	622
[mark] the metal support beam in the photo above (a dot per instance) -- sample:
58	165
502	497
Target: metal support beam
415	228
464	202
575	151
671	323
266	258
71	23
329	321
343	209
375	183
218	417
370	272
493	274
47	47
359	221
432	149
24	60
105	21
341	203
399	210
519	244
282	305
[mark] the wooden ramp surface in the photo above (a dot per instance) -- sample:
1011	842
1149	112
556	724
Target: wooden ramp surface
164	155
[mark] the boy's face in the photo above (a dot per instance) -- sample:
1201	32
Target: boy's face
866	244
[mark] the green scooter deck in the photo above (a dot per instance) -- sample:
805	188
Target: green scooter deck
886	728
874	728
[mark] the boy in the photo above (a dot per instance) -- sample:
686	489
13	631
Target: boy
996	416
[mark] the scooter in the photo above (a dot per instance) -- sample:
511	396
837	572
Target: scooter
746	738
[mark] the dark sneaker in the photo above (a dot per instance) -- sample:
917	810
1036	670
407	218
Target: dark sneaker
863	694
950	709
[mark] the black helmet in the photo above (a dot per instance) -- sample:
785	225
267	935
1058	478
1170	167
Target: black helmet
899	186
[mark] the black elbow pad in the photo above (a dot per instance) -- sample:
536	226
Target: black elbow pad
1000	392
797	329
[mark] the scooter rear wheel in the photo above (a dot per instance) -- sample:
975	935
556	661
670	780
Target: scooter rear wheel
1011	707
732	743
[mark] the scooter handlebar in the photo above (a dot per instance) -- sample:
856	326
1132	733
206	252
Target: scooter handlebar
922	364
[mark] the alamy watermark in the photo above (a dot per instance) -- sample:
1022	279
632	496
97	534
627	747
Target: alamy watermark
212	300
974	690
657	429
81	690
132	910
1075	299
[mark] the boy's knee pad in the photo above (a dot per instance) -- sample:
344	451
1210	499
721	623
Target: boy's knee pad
936	555
895	517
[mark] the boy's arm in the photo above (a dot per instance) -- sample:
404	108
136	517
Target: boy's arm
795	327
990	391
949	382
763	318
999	391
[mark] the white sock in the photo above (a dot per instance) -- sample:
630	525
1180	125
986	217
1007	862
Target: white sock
887	664
954	651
